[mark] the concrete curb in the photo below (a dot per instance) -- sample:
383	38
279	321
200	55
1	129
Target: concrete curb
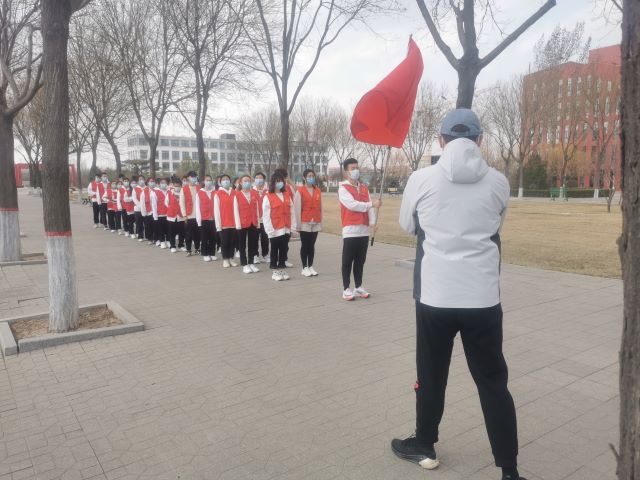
130	324
27	259
408	264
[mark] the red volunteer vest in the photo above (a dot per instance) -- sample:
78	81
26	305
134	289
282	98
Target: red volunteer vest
94	187
112	203
100	189
349	217
206	204
311	204
127	206
162	209
248	209
138	192
261	194
173	210
227	218
147	200
280	210
188	199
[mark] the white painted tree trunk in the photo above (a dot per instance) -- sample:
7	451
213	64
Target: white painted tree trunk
63	293
520	193
9	235
596	193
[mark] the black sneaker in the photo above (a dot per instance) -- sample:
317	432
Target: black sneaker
197	252
511	477
188	253
409	449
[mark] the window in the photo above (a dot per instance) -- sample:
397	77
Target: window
222	157
608	85
579	86
598	85
566	133
165	166
144	154
165	155
588	83
584	129
569	86
618	106
164	142
595	130
607	107
606	128
213	156
175	143
596	110
175	155
231	157
213	144
557	135
194	144
560	87
141	141
186	156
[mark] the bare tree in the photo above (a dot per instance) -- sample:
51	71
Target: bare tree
210	37
20	79
81	128
431	106
292	31
374	155
311	128
563	45
63	295
28	127
261	132
150	61
629	449
469	65
342	145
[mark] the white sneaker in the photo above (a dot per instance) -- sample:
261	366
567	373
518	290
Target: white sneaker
306	272
348	295
206	258
126	234
183	249
119	232
233	263
113	231
277	276
151	244
265	259
141	239
173	250
237	255
95	225
361	292
214	258
285	275
288	264
313	272
253	268
162	245
256	259
157	243
247	269
226	263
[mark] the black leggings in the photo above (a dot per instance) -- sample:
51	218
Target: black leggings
139	225
278	252
111	219
354	254
160	229
208	238
176	229
227	240
96	212
103	214
264	241
131	221
248	243
481	334
308	247
192	234
148	227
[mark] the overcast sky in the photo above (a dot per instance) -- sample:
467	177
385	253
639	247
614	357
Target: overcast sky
362	56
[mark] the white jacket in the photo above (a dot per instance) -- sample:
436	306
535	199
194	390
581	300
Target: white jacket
456	209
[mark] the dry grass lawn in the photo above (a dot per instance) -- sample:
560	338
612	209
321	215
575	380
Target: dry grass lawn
564	236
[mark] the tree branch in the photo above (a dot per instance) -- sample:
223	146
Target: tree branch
444	48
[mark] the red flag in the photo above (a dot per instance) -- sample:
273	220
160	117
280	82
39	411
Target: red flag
383	114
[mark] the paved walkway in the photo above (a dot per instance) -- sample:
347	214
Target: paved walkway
243	378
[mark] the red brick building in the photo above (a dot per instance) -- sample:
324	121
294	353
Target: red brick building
571	118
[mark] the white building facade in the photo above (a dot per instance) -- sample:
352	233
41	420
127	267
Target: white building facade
225	154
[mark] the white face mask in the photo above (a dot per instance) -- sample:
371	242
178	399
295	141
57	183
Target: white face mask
354	175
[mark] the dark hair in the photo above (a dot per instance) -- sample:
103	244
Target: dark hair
208	176
277	176
125	179
245	175
347	162
183	178
141	176
134	178
176	180
163	179
448	138
223	176
281	171
264	177
307	172
192	174
462	129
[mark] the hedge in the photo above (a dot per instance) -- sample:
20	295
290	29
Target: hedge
571	192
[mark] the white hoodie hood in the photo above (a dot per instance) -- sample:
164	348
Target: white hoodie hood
462	161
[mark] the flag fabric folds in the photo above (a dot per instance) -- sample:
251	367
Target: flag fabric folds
383	114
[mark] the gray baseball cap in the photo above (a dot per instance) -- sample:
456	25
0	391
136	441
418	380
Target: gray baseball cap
461	122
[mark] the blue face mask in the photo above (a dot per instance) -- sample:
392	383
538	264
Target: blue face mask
141	183
259	182
208	183
311	180
246	185
193	180
163	186
152	184
279	186
225	183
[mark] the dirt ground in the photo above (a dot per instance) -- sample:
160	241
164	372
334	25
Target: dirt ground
563	236
97	318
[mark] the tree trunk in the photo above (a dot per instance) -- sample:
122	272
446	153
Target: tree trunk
466	85
153	146
284	140
202	161
78	174
521	178
9	216
32	176
116	154
63	295
629	449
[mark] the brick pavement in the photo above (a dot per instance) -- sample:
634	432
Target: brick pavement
244	378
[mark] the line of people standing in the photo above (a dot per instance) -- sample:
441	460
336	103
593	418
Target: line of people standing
242	222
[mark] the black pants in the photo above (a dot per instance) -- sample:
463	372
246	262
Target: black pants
176	229
354	254
308	247
481	333
121	220
103	214
139	225
278	252
192	234
248	244
148	227
286	247
111	219
264	241
208	235
228	239
160	229
96	212
131	221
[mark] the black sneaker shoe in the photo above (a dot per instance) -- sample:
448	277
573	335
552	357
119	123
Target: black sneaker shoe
511	477
188	254
409	449
197	252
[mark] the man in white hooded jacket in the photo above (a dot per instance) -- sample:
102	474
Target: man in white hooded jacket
456	209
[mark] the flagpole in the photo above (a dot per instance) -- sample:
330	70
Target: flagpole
384	173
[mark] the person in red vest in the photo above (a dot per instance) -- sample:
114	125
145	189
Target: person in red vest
279	220
262	189
291	190
127	205
137	184
92	190
175	220
146	210
204	217
358	214
247	214
225	217
112	206
102	199
159	209
308	206
187	207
